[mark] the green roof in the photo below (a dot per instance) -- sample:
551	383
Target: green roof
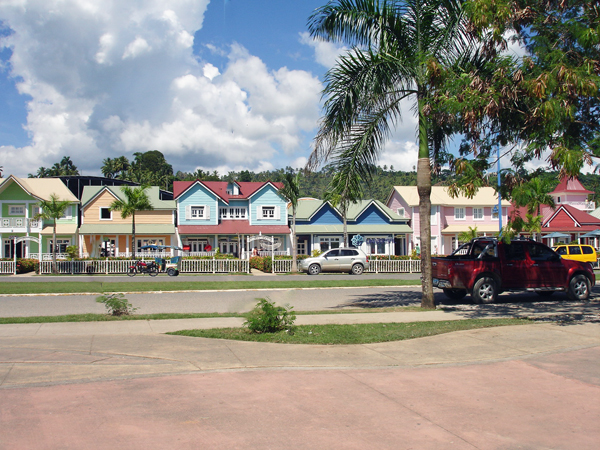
140	228
153	192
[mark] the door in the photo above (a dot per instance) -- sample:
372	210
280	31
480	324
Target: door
347	258
331	261
547	269
517	266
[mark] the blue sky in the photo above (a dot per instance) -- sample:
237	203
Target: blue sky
217	85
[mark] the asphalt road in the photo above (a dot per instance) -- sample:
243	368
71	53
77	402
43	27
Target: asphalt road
244	300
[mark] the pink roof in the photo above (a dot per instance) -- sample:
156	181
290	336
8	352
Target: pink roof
570	185
234	227
219	188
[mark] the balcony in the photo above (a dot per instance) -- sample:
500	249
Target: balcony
20	224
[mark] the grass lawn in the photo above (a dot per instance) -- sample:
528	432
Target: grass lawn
354	333
74	287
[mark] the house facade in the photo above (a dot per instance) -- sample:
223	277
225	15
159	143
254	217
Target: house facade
380	231
225	215
104	233
20	232
450	216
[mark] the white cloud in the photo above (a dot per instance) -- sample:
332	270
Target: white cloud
113	80
326	53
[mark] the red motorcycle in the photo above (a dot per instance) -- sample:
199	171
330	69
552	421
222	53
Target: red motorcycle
142	267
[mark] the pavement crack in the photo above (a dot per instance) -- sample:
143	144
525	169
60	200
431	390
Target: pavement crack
5	377
414	411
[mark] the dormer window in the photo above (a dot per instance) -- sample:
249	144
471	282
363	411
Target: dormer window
233	189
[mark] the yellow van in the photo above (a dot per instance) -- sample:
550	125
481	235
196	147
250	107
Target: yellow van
585	253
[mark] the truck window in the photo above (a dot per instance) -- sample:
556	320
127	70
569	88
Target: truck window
514	252
538	252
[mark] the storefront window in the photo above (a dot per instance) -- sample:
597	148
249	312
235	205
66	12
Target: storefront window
327	243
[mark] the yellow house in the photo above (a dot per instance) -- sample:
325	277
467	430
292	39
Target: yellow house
104	233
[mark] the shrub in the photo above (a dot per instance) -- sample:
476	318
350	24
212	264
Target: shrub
28	265
116	304
262	263
316	253
72	251
268	318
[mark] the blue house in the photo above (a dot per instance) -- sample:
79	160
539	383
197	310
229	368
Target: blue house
380	231
222	215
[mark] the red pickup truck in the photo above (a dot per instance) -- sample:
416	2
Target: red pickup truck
485	267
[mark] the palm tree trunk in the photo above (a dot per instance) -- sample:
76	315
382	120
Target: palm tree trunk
133	233
294	243
345	225
54	269
424	190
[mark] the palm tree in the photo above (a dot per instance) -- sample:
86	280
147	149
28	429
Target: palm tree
466	236
398	49
344	188
52	209
533	195
136	200
291	190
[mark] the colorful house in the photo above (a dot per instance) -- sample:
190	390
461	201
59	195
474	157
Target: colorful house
104	233
24	235
224	215
450	216
380	231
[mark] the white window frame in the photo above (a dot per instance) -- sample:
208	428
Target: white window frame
481	210
400	212
205	212
21	208
197	212
262	210
460	213
330	240
59	242
233	213
68	214
100	213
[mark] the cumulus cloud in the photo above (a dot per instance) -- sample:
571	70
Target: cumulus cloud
326	53
112	78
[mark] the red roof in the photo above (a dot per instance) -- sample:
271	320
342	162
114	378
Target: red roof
219	188
570	185
564	218
233	227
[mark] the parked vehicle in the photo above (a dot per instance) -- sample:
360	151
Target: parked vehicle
171	267
485	267
142	267
349	260
585	253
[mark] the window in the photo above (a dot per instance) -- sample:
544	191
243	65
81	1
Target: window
433	215
68	214
16	210
477	213
514	251
347	252
105	214
400	212
233	213
459	213
539	252
269	212
333	253
197	212
587	250
376	246
61	245
574	250
329	242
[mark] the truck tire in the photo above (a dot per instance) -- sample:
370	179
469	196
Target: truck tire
485	290
579	288
455	294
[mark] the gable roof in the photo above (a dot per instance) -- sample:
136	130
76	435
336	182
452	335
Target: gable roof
308	207
572	186
153	192
219	188
41	188
485	196
551	218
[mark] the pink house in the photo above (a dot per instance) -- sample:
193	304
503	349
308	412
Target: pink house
449	216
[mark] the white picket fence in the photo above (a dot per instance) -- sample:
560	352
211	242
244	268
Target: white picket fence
394	266
7	267
282	265
122	266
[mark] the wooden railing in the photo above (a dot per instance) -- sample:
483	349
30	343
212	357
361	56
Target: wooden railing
394	266
282	265
7	267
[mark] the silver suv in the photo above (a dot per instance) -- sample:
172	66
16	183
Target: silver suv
349	260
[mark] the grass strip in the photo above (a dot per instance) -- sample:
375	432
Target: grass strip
90	317
74	287
352	333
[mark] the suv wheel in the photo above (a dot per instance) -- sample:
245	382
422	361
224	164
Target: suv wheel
485	290
579	288
314	269
357	269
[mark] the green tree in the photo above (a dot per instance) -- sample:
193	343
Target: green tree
466	236
532	195
53	210
291	190
135	200
398	50
63	168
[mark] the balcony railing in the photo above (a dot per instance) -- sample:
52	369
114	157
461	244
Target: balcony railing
20	222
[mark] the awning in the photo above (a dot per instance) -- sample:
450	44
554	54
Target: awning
61	228
457	229
114	229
